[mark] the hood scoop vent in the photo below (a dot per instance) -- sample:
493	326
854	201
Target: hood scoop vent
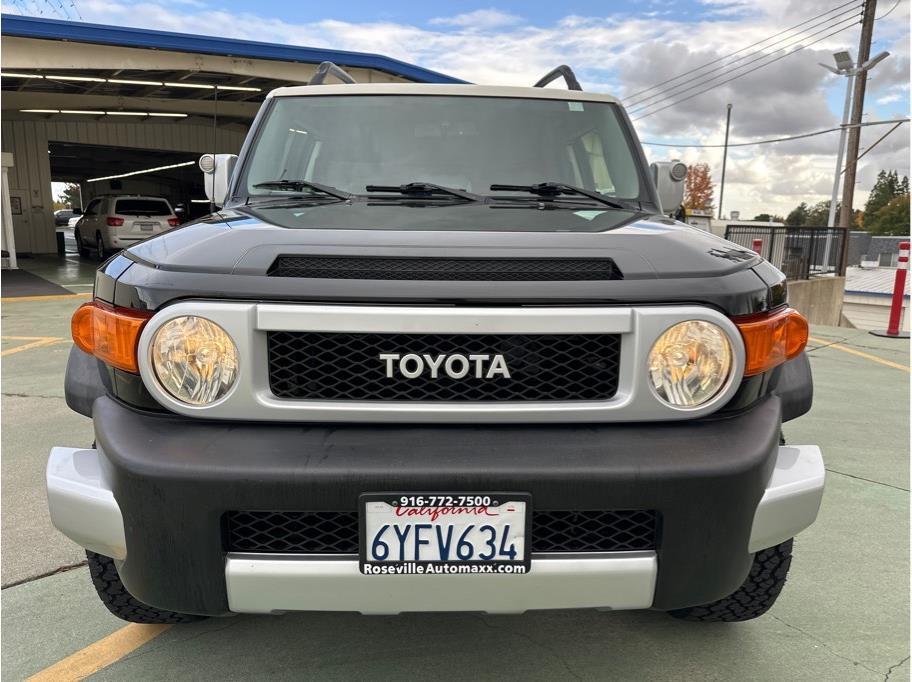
446	269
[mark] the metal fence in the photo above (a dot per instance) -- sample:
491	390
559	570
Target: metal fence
800	252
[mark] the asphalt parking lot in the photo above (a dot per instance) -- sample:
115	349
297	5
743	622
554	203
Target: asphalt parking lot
843	615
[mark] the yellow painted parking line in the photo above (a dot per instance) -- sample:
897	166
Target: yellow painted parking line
39	342
101	654
861	354
49	297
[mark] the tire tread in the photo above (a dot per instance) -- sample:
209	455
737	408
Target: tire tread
756	595
120	602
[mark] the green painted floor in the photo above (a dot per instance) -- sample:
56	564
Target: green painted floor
71	271
844	614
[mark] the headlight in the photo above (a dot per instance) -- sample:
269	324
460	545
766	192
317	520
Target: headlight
194	360
690	363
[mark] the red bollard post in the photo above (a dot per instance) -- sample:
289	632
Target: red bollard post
757	246
899	290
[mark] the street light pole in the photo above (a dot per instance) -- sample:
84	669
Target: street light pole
728	118
845	66
831	221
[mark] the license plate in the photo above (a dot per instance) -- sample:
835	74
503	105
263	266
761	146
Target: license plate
444	533
146	227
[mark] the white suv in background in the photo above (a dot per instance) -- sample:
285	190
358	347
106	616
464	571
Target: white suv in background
113	223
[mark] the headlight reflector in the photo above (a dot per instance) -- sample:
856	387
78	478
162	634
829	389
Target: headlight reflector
690	363
194	359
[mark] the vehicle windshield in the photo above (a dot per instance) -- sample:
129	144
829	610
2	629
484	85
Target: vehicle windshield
348	142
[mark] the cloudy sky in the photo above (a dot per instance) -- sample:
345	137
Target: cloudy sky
622	48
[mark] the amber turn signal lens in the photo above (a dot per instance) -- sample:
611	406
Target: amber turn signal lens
110	334
770	340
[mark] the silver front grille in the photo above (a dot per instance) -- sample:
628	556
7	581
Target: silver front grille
633	330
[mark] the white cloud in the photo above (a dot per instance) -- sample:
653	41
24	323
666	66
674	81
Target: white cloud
624	54
480	19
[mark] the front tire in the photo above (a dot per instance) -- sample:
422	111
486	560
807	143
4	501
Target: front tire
755	597
120	602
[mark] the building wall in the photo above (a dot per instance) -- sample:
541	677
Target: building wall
30	176
869	246
869	311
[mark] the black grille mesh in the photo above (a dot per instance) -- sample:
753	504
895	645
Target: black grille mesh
297	532
593	531
446	269
330	366
301	532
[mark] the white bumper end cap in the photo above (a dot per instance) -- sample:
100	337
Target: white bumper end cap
81	503
792	497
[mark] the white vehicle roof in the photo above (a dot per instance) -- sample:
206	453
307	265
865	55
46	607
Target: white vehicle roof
453	90
128	196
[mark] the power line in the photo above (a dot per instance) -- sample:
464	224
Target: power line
731	54
887	13
879	140
765	51
677	88
897	121
55	10
851	21
696	94
66	12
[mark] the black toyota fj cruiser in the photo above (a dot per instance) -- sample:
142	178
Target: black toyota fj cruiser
440	349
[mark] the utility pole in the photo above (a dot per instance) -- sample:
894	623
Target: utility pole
848	186
728	118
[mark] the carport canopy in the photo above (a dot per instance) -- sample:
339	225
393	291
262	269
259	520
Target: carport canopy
82	101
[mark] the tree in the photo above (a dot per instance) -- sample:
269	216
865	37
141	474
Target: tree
769	218
886	188
798	215
819	214
698	187
70	196
891	219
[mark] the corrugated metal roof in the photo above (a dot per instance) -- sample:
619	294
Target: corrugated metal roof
872	281
55	29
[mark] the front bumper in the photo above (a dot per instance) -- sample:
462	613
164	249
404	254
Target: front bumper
270	584
153	493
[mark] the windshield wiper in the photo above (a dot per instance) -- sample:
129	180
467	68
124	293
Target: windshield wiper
553	189
295	185
425	189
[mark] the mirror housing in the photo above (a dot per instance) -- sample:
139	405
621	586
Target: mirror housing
217	170
668	177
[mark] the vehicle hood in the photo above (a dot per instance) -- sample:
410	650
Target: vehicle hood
655	260
247	240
